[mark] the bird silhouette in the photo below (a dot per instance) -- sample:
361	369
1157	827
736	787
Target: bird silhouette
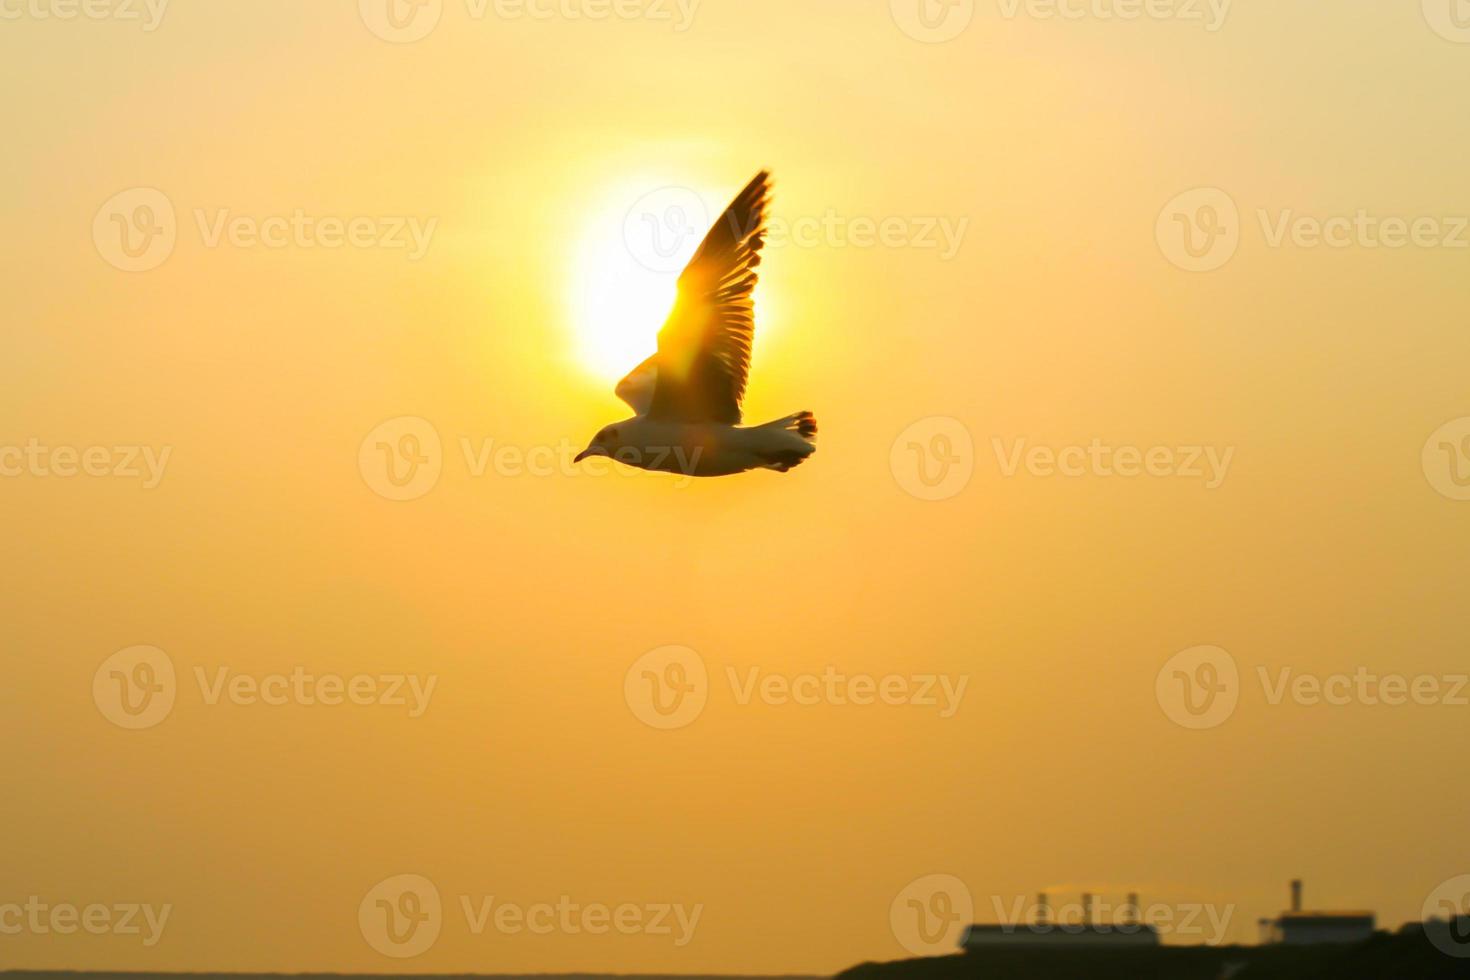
686	397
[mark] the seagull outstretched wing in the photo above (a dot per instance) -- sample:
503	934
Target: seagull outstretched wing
637	388
704	348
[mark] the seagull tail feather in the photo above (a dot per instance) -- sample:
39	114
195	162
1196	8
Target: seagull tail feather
803	424
791	453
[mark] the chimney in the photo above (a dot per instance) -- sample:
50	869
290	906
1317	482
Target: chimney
1296	895
1043	909
1087	908
1133	910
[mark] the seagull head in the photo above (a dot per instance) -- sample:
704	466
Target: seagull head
605	443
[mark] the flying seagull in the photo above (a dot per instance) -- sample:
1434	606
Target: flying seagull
686	398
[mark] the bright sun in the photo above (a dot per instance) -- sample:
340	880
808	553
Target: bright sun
627	271
618	304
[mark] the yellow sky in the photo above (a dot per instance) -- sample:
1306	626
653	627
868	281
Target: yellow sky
258	380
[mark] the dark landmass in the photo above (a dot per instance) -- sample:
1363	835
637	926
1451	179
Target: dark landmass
1407	955
138	975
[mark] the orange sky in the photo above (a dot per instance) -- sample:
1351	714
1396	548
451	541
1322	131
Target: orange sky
351	247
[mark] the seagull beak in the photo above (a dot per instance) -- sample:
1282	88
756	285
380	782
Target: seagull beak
589	451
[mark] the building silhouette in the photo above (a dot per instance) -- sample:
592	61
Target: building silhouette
1297	927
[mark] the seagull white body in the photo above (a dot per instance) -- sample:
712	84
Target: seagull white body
687	396
710	448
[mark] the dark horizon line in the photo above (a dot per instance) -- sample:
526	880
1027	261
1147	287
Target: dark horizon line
397	976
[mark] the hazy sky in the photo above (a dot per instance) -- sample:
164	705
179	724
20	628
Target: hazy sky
258	253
